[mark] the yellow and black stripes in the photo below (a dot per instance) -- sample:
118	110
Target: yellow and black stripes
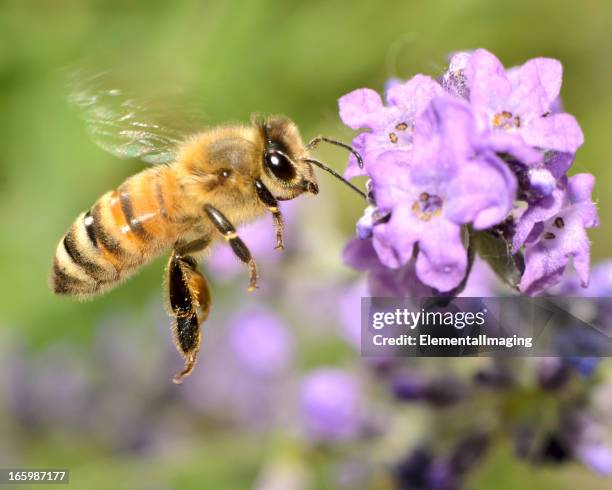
123	230
109	243
77	268
80	258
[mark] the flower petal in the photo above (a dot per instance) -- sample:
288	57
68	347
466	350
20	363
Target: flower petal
559	132
444	135
540	271
558	163
353	169
394	240
360	255
390	178
537	212
546	260
580	187
512	144
413	96
454	80
487	81
536	85
359	108
543	75
482	192
442	259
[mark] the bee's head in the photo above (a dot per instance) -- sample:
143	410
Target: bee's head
285	172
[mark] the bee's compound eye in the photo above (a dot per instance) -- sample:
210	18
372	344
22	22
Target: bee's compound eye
280	165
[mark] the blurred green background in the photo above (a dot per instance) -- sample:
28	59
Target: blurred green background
240	57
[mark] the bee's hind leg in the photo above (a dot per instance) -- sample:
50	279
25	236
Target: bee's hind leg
189	300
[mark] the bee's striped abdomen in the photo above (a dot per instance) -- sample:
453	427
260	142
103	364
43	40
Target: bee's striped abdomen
124	229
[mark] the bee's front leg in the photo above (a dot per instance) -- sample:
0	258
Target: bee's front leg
266	197
238	246
187	293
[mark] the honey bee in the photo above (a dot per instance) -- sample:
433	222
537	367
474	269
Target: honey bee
200	190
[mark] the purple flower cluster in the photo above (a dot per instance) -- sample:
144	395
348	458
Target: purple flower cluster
482	150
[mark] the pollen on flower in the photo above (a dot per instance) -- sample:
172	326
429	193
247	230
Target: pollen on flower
427	206
393	137
549	235
401	126
559	223
506	120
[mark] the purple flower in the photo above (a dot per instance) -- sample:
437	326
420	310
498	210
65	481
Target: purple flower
600	284
590	444
556	234
371	217
454	81
596	456
552	373
260	341
516	108
439	391
382	280
482	282
460	152
447	183
350	313
235	387
330	403
390	126
424	470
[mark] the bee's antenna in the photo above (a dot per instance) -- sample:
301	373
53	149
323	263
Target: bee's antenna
315	141
321	165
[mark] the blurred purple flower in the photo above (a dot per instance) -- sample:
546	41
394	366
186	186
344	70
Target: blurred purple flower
495	375
589	444
552	373
52	389
411	473
260	341
558	234
237	384
600	283
586	366
424	470
330	405
350	313
577	436
599	292
440	391
482	282
596	456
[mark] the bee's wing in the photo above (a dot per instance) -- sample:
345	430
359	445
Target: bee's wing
127	126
